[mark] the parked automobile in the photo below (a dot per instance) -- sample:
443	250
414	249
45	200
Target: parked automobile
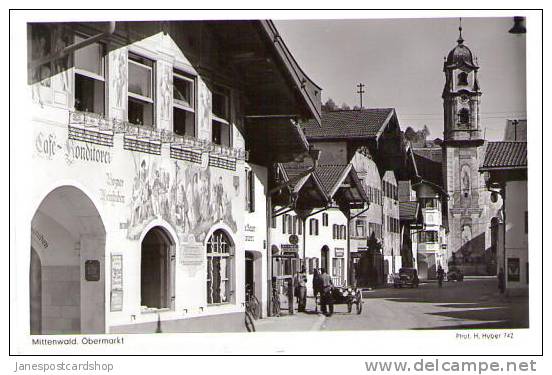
406	276
455	274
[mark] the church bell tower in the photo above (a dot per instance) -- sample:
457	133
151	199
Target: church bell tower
469	206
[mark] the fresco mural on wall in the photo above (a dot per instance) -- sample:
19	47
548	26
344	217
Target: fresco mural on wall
190	198
118	62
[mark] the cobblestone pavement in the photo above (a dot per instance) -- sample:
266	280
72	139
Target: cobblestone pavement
474	303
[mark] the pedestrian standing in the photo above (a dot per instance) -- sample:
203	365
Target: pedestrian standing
316	287
501	281
440	275
326	298
301	289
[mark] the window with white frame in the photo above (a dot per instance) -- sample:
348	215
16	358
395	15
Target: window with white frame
89	77
338	269
184	104
429	236
220	127
313	227
220	259
360	228
140	90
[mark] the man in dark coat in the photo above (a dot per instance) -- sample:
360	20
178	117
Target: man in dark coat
326	299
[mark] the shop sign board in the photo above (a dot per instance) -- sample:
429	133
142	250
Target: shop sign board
339	252
116	282
92	270
289	247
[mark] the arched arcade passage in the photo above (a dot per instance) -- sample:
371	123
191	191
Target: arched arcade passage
67	267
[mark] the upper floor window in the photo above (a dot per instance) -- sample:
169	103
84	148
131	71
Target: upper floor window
184	104
221	134
325	219
360	228
140	90
89	78
313	227
429	236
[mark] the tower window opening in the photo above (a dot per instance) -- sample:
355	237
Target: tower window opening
464	117
462	79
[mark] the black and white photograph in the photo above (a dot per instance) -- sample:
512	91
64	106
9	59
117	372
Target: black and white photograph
274	176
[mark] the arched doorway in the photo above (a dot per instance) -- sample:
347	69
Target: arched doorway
156	270
325	258
67	267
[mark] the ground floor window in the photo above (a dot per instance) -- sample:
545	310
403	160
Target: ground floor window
338	269
220	258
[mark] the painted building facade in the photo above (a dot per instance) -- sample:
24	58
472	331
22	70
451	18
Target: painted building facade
150	215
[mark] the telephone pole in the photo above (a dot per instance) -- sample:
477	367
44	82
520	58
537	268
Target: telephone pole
360	92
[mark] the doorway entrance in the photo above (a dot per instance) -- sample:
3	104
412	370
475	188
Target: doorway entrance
155	270
67	265
325	258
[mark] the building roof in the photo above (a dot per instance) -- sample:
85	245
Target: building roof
408	210
365	123
432	153
330	175
429	166
505	155
460	55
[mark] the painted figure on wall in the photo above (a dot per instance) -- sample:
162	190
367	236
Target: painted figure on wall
165	93
465	181
189	198
120	77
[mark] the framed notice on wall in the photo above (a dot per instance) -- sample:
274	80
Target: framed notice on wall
116	282
513	269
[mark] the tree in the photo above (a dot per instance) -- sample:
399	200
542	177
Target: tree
356	108
425	132
345	107
411	134
329	105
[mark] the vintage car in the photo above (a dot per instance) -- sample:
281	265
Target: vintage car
348	296
406	276
455	274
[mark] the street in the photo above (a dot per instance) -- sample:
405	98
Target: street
473	303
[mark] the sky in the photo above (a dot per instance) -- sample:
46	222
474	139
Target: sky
401	63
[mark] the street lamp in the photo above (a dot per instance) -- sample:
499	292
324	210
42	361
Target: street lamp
519	26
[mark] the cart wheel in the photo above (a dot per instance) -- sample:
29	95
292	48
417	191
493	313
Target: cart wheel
349	307
359	303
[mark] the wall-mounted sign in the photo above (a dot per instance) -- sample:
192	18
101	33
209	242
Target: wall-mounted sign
116	282
513	269
443	246
293	239
289	247
339	252
92	270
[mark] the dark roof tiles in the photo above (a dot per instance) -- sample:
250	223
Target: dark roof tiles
348	123
505	155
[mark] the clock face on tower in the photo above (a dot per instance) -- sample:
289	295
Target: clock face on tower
464	99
